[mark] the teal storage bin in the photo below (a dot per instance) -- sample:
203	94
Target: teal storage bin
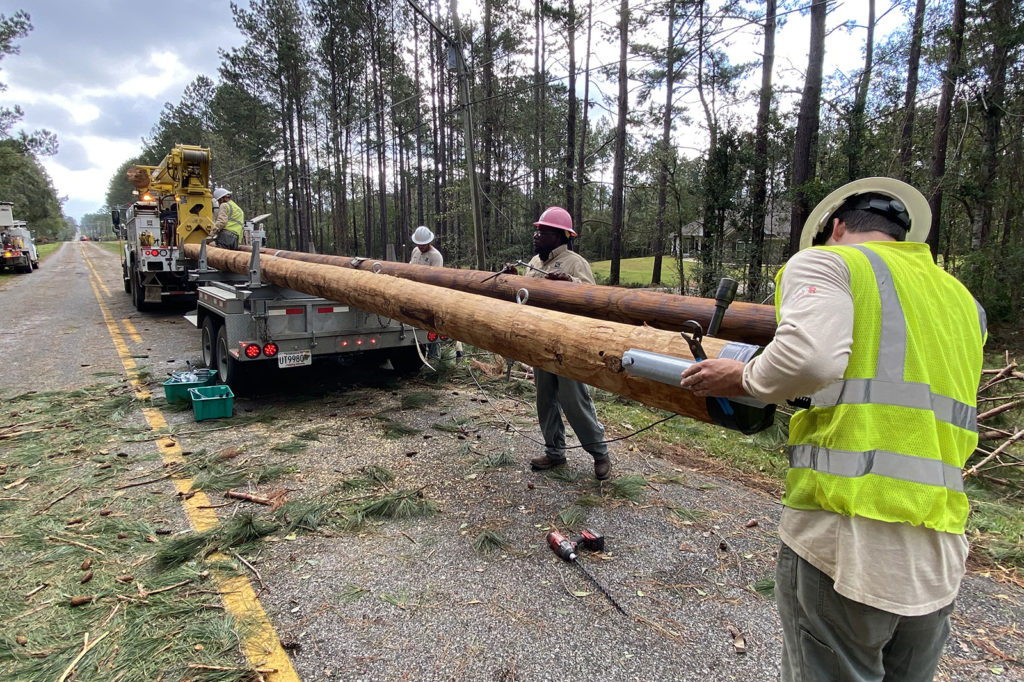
212	402
177	391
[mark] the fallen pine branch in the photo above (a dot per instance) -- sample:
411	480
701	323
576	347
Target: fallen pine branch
53	502
252	568
995	453
999	410
135	485
224	668
248	497
75	543
86	648
147	593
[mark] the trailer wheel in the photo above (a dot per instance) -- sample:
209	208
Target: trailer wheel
406	360
210	327
228	370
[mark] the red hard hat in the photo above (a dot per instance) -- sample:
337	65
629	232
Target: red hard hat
558	218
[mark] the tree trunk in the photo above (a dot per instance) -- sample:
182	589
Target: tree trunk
619	168
805	152
570	122
581	157
665	149
855	143
949	78
910	101
759	190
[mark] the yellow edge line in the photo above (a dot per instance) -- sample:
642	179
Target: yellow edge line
263	647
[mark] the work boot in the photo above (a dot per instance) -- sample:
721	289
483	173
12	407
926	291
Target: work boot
546	462
602	468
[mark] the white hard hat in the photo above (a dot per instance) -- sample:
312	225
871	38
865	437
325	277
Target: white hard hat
220	193
915	205
422	235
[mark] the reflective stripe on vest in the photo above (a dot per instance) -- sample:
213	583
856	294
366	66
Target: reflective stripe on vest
879	462
889	388
235	218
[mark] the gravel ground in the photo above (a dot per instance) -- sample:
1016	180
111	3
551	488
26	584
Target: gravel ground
412	600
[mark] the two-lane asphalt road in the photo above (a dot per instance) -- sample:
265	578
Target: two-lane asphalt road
63	323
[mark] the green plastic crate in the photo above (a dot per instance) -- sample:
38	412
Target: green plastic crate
177	391
211	402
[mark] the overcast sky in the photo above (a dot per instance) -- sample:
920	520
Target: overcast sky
98	72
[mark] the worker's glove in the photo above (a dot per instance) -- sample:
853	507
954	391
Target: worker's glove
560	276
510	269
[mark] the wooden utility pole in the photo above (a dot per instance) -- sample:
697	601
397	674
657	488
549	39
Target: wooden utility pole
746	322
575	347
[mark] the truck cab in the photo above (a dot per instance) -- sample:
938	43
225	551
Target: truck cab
17	246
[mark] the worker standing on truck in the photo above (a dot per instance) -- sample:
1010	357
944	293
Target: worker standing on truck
227	228
889	347
555	394
426	254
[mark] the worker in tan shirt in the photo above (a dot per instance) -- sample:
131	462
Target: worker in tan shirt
424	253
555	394
889	348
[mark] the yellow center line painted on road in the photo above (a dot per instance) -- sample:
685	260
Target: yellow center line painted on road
98	281
130	328
262	648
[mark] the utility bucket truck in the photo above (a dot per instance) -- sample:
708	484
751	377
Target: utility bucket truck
248	325
173	208
18	248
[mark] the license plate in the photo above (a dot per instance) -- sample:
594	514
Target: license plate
296	359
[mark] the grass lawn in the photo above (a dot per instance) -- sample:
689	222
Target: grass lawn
637	271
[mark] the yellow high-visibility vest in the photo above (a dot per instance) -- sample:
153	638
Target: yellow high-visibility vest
235	219
890	439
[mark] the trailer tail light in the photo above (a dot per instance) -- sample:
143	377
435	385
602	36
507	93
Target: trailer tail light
432	336
344	343
270	349
252	350
373	342
359	342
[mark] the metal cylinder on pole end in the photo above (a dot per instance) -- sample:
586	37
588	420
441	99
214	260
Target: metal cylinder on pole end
724	297
744	414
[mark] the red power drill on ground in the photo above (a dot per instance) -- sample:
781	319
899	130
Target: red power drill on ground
566	548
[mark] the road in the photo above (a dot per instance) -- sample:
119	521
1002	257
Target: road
412	598
58	324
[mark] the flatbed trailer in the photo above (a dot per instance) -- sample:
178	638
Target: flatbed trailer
248	325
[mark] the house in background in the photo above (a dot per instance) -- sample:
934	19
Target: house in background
690	239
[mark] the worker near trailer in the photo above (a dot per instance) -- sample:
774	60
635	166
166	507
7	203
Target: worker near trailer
227	228
889	347
555	394
424	253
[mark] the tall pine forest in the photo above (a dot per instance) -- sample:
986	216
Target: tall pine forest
667	128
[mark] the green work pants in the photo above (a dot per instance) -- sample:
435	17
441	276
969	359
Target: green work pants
829	638
556	395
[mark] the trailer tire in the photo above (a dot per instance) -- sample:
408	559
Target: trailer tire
211	325
228	369
405	360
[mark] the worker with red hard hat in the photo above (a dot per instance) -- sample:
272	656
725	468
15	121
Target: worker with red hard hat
555	394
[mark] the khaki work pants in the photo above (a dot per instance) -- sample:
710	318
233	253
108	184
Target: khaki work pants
829	638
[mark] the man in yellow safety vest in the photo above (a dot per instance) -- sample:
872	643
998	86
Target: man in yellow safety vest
889	348
227	228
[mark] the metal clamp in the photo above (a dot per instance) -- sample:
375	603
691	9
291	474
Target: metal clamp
376	268
522	296
694	339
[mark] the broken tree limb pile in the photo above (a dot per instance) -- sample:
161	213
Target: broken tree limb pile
572	346
746	322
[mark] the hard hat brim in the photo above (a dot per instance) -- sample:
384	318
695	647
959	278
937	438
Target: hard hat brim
917	207
570	232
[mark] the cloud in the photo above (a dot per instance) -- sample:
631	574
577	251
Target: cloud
98	73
